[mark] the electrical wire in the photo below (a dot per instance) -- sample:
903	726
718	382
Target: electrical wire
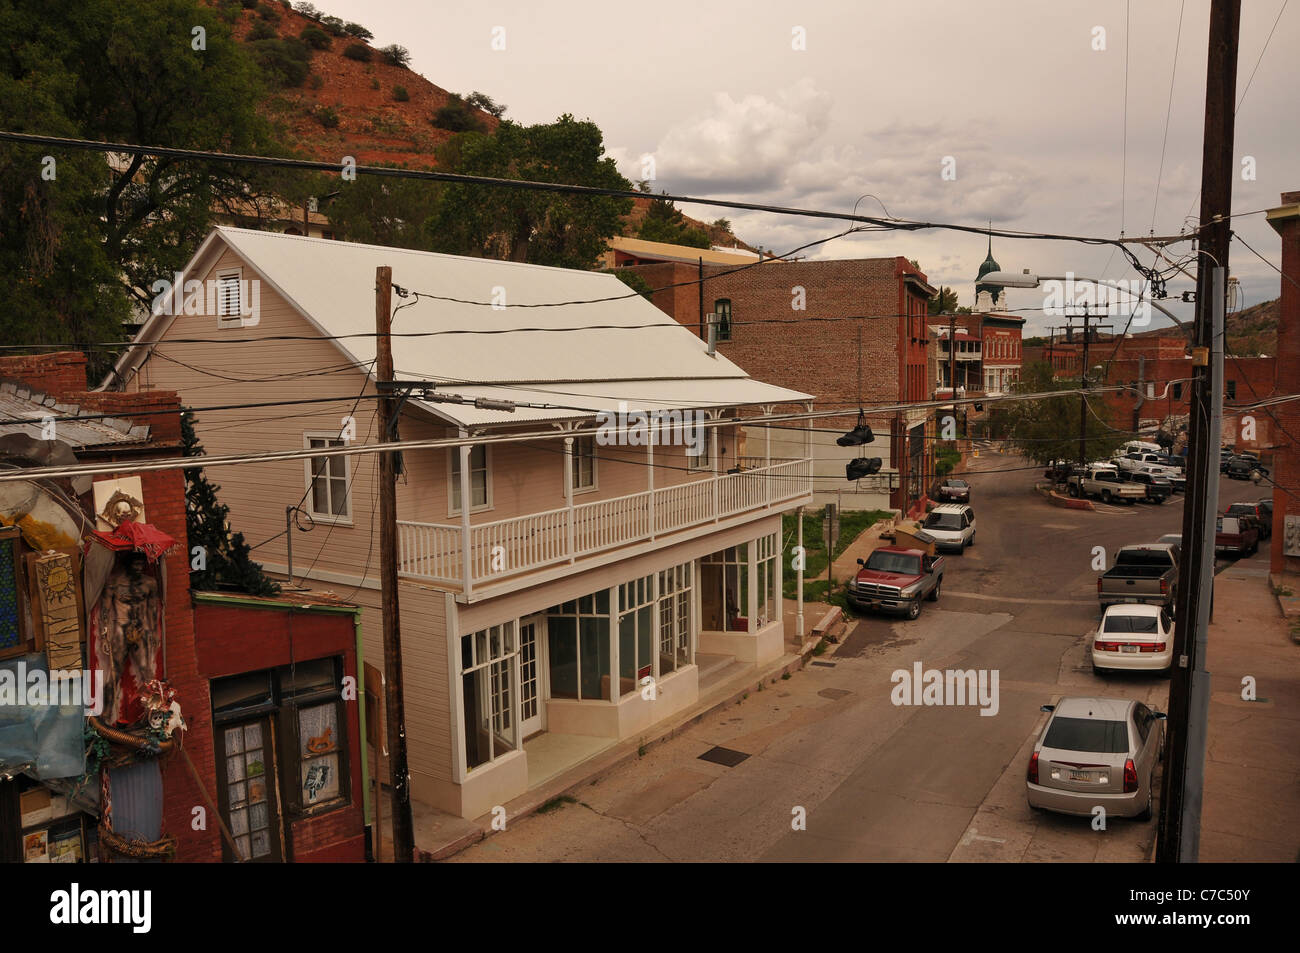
1169	106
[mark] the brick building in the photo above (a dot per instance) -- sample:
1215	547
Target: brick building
768	323
232	646
1285	553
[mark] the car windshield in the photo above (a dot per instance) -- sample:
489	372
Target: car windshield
1087	734
1132	623
1108	476
957	484
1241	509
943	521
894	562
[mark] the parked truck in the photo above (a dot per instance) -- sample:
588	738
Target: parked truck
1146	573
896	579
1104	483
1236	535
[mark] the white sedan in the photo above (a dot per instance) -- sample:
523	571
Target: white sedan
1133	637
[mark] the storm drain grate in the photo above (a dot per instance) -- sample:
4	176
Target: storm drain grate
834	694
724	756
825	664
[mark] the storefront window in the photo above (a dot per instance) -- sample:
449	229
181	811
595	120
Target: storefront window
488	683
674	618
724	584
578	640
635	634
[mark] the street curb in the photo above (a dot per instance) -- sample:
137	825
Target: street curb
1065	502
623	753
1289	606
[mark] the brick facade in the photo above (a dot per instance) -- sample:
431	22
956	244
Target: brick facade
777	337
1286	494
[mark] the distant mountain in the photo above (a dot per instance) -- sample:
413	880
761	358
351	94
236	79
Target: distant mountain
1253	331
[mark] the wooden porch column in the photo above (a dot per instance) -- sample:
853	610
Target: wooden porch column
711	441
651	436
568	495
466	556
769	490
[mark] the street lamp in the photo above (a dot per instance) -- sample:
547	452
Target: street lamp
1009	279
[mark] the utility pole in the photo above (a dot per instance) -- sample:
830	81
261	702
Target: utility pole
403	829
1178	836
1083	397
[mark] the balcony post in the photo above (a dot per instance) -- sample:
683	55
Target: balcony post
651	437
568	495
798	621
466	553
711	441
768	490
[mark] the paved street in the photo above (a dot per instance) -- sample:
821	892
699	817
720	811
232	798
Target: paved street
875	781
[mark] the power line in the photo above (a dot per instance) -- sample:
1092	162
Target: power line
1164	142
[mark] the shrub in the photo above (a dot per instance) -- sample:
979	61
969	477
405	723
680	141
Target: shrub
457	116
401	95
358	31
284	62
358	51
308	10
262	31
395	55
269	13
333	26
249	4
316	81
326	116
316	38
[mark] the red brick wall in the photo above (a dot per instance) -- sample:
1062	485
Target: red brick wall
231	639
1287	460
57	374
777	344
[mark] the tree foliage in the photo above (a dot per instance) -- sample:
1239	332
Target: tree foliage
86	236
1047	429
664	222
227	564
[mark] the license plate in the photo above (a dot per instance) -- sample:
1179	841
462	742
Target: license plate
1080	776
1129	648
1130	599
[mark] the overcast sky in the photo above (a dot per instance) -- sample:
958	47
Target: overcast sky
1031	114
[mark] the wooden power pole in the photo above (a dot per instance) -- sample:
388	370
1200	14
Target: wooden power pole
1179	832
403	829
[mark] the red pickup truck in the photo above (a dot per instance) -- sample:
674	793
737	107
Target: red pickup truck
894	579
1238	535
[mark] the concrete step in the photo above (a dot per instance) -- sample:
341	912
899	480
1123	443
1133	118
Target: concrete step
717	677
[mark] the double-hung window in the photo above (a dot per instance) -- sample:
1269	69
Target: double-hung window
327	480
584	463
479	496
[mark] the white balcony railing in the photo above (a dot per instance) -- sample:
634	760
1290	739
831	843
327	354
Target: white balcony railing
497	550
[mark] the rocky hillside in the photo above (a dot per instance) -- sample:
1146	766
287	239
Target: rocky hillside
339	95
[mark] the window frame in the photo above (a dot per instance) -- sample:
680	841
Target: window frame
493	671
225	321
579	454
453	479
703	462
724	325
308	470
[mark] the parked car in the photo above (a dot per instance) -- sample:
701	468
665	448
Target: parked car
1175	539
1138	446
1254	511
1146	573
951	490
1136	461
1058	471
1104	483
1133	638
1177	479
952	525
1241	467
1239	536
1096	751
1173	461
1266	504
1158	486
894	579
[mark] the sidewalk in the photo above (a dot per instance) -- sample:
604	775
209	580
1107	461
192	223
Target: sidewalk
1251	805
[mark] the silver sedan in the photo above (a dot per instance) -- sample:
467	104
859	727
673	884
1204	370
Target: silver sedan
1096	752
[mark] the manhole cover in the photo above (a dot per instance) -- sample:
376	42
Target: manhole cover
825	664
724	756
834	694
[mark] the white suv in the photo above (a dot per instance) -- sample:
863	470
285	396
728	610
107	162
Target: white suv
952	525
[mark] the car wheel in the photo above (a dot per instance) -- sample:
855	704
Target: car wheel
1098	671
972	539
914	608
934	593
1105	496
1146	811
1073	491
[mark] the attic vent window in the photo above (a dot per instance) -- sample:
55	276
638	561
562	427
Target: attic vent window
229	303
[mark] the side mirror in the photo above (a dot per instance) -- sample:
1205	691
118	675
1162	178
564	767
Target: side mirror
1047	708
862	562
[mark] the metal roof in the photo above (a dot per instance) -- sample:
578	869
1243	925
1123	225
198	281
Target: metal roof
634	352
21	403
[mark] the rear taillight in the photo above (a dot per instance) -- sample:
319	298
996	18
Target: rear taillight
1106	646
1164	585
1153	647
1033	768
1130	777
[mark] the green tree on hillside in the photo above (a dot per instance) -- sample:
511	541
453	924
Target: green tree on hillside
1047	429
664	222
